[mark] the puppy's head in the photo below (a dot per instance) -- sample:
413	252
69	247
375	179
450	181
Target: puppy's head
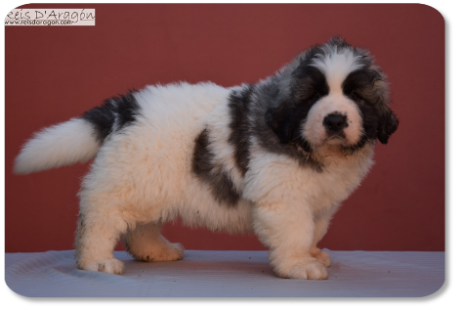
332	94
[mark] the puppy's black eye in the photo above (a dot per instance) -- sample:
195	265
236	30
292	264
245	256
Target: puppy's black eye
355	95
318	94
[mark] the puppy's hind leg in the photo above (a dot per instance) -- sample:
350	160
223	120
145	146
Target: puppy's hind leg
97	234
146	243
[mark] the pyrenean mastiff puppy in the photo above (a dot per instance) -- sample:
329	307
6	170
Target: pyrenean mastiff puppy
276	157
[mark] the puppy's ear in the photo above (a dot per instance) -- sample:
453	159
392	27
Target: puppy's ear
278	119
388	124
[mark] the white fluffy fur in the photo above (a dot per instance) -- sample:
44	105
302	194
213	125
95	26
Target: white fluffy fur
295	205
336	65
63	144
144	177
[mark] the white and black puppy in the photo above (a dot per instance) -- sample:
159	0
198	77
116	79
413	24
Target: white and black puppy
276	157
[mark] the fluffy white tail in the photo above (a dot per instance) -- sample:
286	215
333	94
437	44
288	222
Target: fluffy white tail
62	144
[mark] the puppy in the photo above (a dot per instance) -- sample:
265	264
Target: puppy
276	157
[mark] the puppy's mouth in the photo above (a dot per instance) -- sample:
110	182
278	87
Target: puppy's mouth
335	139
336	136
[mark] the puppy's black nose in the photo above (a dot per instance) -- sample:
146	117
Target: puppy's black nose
335	122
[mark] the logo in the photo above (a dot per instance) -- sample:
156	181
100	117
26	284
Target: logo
51	17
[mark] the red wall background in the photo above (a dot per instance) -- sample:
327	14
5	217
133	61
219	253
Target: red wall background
55	73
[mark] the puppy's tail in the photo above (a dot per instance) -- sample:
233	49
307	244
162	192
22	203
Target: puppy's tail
62	144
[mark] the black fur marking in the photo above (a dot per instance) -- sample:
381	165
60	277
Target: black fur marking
339	42
101	118
289	113
388	125
121	109
309	87
379	122
239	137
214	176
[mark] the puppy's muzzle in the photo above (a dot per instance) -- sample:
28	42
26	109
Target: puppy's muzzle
334	124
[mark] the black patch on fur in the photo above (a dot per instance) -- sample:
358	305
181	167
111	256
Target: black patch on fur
379	122
338	42
287	116
214	176
121	109
240	127
388	125
310	86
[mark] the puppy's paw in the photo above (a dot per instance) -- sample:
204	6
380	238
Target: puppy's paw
322	256
171	252
311	270
176	252
113	266
165	252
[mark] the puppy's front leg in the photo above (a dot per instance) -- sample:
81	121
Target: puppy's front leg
288	231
